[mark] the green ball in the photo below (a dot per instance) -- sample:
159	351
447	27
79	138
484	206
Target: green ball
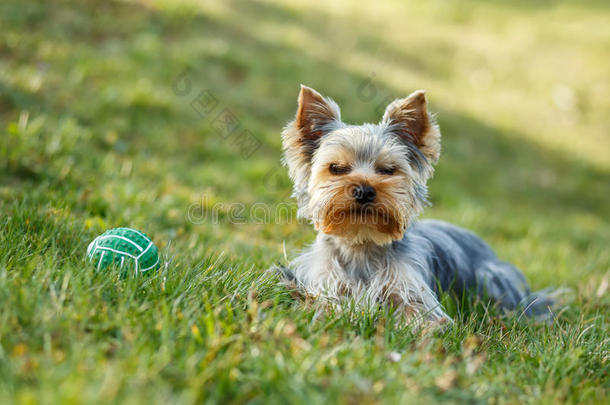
125	247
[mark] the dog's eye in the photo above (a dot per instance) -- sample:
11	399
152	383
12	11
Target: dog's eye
338	169
388	171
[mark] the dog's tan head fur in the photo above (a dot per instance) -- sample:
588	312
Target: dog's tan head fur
362	183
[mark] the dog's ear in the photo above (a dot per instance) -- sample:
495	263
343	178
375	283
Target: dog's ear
409	119
316	116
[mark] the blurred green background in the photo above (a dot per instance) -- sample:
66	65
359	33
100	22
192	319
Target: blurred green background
98	126
96	109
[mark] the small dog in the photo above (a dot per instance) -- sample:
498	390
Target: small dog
363	186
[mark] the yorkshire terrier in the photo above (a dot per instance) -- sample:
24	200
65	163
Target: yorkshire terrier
362	187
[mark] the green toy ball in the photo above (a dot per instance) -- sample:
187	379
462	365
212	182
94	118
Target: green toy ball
125	247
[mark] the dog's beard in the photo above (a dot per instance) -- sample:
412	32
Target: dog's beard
380	222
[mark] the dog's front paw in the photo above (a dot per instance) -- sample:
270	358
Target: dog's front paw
427	325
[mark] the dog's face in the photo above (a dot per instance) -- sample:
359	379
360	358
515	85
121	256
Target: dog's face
362	183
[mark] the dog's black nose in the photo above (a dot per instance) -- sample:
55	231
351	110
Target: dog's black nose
364	194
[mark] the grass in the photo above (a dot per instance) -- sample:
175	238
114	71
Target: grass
97	130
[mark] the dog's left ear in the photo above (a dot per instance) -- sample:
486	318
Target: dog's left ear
409	119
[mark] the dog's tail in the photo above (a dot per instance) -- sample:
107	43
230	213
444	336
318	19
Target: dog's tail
543	305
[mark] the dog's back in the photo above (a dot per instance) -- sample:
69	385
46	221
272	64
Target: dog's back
461	262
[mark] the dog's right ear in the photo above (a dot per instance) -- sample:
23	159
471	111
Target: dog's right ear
316	116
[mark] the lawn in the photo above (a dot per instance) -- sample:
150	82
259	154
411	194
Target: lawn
165	116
